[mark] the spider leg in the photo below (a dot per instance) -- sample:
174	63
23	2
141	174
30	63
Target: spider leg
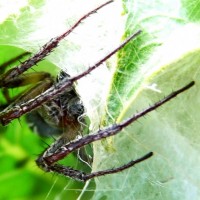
43	79
45	82
26	79
52	155
3	68
45	50
8	115
12	61
118	169
82	176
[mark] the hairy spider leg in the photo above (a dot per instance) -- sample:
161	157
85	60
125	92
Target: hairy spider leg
18	110
82	176
26	79
3	68
44	51
42	81
52	154
12	61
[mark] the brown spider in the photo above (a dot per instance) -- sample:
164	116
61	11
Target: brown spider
59	104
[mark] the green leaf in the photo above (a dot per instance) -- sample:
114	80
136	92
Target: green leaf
25	29
164	58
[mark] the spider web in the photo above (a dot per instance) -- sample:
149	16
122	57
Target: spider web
34	25
171	132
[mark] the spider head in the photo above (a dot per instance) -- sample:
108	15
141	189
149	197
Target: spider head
76	109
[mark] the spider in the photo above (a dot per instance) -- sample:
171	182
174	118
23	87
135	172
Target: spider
58	103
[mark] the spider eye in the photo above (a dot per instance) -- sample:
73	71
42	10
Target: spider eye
54	111
76	109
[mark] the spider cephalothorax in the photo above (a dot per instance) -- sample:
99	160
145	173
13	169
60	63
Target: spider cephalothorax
60	106
64	111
